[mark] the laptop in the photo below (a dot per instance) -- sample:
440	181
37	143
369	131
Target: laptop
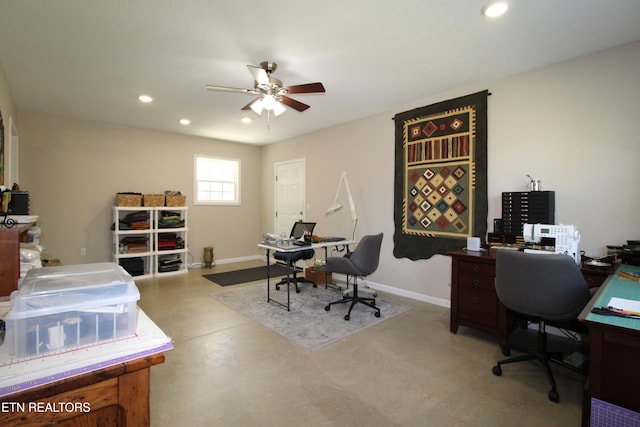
298	230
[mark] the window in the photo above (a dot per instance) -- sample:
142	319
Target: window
217	181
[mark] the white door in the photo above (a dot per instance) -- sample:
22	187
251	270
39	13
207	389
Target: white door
290	195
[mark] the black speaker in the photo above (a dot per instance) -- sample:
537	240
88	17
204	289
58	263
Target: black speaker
19	204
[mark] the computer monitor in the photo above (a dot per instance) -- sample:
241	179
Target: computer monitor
299	227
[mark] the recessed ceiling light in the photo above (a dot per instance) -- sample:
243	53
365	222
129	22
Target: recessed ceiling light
145	98
185	122
246	120
496	9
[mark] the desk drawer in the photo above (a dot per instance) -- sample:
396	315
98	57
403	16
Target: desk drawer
480	268
594	280
479	306
477	281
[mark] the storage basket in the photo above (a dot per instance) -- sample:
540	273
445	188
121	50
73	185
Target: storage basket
154	199
176	200
132	200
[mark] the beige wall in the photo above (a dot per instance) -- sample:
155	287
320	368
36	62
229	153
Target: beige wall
73	169
571	124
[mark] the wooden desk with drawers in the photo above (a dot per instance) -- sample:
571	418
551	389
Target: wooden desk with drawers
474	302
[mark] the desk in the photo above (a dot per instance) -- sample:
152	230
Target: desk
474	302
320	245
112	396
614	376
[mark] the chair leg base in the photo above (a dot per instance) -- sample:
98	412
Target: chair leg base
294	280
354	299
545	358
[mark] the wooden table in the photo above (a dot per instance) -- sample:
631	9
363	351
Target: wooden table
614	376
117	395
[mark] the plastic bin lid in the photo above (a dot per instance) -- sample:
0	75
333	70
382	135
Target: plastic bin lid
51	290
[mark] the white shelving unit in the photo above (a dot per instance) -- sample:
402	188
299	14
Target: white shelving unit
170	241
157	246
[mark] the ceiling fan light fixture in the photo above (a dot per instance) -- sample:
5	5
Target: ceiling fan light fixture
257	106
278	109
269	102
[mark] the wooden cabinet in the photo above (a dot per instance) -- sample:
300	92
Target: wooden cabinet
10	239
474	302
113	396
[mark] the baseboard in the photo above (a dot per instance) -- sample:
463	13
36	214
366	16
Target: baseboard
401	292
229	261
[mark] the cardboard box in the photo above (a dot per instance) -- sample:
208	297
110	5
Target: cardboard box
60	308
317	275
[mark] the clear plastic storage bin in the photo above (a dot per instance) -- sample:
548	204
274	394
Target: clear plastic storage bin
60	308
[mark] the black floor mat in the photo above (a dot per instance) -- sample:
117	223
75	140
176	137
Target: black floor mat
246	275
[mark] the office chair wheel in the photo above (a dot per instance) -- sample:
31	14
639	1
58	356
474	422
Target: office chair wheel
327	308
377	314
554	396
277	287
497	371
297	291
347	317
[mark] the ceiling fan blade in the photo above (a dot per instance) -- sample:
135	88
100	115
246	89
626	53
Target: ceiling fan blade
296	105
230	89
248	106
259	74
306	88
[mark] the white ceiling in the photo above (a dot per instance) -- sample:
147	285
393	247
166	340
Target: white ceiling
90	59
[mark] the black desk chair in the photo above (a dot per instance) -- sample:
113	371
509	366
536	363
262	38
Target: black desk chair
361	262
290	258
545	289
298	230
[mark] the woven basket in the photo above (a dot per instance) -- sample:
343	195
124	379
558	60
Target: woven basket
131	200
176	200
154	199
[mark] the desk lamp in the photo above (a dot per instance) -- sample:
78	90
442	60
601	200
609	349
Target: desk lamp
336	206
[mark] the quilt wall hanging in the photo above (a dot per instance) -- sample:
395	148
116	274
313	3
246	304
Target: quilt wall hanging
440	189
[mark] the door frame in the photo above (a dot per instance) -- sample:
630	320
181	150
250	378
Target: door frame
276	165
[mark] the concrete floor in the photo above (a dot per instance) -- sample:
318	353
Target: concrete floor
228	370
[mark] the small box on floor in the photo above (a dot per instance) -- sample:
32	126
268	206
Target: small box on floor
317	275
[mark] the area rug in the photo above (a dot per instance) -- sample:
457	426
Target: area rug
308	324
246	275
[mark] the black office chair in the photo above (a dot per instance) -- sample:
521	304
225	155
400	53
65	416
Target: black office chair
361	262
298	230
290	258
545	289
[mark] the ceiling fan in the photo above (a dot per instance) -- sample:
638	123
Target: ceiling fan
272	95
